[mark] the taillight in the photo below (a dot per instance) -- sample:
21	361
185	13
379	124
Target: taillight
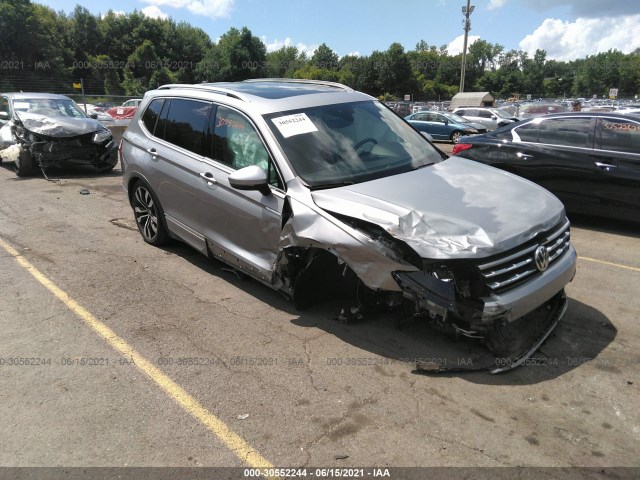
461	147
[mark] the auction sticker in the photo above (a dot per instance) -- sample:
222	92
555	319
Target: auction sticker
295	124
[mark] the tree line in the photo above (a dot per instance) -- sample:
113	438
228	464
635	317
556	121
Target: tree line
127	54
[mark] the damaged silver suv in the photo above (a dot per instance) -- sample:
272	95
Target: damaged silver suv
311	186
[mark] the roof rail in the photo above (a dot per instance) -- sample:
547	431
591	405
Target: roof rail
205	87
301	80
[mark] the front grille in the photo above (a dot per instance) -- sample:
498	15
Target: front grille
514	267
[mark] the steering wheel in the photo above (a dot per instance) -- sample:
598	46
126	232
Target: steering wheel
364	142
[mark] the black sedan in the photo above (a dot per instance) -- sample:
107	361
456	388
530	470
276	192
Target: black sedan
590	160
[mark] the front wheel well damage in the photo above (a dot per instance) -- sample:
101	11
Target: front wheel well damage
311	275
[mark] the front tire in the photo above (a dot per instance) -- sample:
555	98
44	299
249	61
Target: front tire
24	164
148	214
456	136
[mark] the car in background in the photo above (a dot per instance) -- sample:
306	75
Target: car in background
99	113
309	185
39	130
531	110
491	118
589	160
444	125
125	112
133	102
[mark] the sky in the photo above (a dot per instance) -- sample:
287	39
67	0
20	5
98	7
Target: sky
565	29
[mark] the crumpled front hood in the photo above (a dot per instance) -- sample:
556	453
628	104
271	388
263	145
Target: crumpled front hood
454	209
59	127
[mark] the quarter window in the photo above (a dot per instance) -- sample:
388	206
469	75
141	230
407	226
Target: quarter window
620	135
151	114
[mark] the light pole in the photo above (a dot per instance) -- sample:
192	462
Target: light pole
467	26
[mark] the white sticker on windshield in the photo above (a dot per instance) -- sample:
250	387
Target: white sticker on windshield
296	124
21	105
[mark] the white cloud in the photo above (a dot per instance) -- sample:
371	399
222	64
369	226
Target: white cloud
455	45
208	8
563	40
495	4
154	12
278	44
353	54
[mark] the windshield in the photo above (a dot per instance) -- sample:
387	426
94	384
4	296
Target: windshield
500	113
50	107
347	143
456	118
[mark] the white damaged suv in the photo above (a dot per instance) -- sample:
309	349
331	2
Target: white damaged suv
304	185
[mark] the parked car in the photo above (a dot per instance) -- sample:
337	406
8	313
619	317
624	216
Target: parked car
491	118
590	160
133	102
530	110
39	130
444	125
99	113
308	185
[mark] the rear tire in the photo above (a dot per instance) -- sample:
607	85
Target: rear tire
24	164
148	214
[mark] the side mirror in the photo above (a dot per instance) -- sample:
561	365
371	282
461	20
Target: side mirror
427	136
493	117
250	178
93	115
4	116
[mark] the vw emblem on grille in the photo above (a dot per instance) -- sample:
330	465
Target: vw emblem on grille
541	257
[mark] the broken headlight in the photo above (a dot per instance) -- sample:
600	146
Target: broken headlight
101	136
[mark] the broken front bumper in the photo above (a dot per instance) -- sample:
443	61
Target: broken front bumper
438	298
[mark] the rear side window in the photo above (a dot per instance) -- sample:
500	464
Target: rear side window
528	132
151	114
187	125
620	135
571	132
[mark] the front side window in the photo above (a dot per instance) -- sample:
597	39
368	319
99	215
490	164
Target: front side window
620	135
236	143
187	125
571	132
347	143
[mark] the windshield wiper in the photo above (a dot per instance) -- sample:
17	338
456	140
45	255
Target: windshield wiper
332	185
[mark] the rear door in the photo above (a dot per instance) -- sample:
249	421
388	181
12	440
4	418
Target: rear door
616	159
554	153
175	160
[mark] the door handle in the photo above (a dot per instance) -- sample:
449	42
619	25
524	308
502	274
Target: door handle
208	177
523	156
605	166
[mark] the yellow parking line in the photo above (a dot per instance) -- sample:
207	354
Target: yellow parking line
635	269
232	440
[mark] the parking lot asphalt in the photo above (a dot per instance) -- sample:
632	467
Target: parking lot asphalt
116	353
